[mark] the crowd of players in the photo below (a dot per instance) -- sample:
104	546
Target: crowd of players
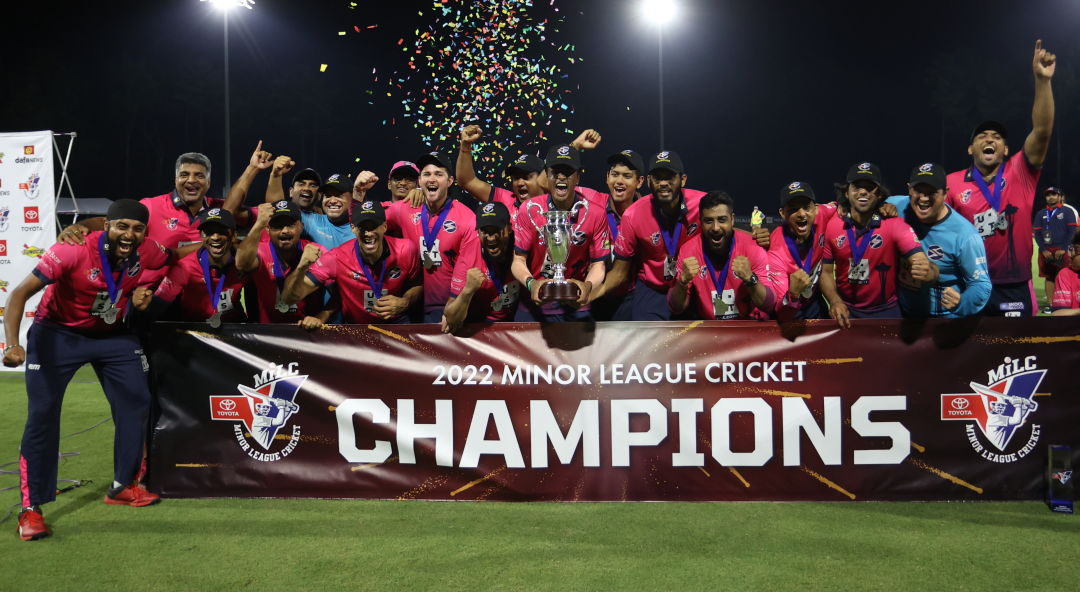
331	251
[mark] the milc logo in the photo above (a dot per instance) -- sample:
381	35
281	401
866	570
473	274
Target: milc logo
261	411
999	409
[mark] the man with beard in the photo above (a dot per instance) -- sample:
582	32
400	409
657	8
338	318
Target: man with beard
378	277
80	321
724	272
206	282
173	215
588	249
998	196
863	250
1054	228
650	234
269	263
486	291
523	174
950	242
443	228
1066	298
795	251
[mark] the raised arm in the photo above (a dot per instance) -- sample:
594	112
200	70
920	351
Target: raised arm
275	192
1043	65
465	171
247	254
297	284
259	162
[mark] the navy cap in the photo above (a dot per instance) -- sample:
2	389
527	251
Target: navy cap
629	158
307	174
928	174
492	215
666	160
990	125
526	163
336	184
796	189
563	154
437	159
368	211
217	216
864	170
285	209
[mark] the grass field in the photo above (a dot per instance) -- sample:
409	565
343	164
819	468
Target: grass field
415	545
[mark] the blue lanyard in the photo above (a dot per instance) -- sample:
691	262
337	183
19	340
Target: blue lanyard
992	197
613	226
496	277
429	235
212	289
279	268
671	241
376	285
110	282
858	247
721	281
793	248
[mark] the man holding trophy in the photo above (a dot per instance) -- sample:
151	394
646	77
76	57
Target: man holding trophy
560	245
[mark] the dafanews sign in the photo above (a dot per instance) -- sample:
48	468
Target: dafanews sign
643	411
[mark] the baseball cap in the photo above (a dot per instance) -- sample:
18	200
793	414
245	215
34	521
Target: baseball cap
216	216
990	125
629	158
796	189
864	170
287	210
928	174
368	211
404	168
437	159
1053	189
307	174
336	184
526	163
492	215
666	160
563	154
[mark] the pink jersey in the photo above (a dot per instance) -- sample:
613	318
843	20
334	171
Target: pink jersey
1066	290
77	294
453	241
171	223
589	241
269	279
399	269
782	261
187	281
642	241
869	284
491	302
1006	231
734	300
507	198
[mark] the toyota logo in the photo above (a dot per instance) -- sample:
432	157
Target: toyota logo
227	404
960	404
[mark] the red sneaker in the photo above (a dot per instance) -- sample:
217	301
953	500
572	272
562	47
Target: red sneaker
132	495
32	526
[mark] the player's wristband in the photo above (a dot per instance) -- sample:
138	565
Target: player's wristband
529	282
753	281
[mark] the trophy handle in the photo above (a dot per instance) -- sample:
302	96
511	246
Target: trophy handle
584	205
528	210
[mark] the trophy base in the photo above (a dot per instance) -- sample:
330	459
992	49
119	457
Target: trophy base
556	291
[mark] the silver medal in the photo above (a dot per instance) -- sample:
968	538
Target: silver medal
109	315
282	307
214	320
720	308
669	268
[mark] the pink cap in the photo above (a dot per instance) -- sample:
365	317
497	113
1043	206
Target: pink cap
403	164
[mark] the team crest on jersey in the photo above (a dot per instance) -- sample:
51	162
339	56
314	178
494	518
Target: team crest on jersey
258	413
449	226
394	273
691	229
655	238
134	270
935	253
876	241
821	240
93	273
172	223
965	196
840	240
416	218
578	238
997	411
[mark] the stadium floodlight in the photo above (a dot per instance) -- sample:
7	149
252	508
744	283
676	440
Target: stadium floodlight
225	7
660	14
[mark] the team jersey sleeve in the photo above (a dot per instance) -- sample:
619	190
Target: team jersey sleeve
461	271
759	264
600	245
470	249
778	280
906	240
626	244
58	261
173	284
324	271
394	223
524	232
153	255
827	257
1065	289
972	261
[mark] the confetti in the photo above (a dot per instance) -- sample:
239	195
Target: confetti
322	67
499	64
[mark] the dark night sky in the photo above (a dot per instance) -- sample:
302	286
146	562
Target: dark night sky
757	93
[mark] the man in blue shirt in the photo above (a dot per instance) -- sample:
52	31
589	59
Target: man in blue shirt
951	242
332	227
1053	228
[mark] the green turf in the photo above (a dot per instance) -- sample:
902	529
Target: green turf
328	545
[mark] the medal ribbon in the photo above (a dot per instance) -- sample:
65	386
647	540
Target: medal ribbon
992	197
613	226
430	234
493	271
718	280
212	289
793	248
279	268
111	286
376	285
858	247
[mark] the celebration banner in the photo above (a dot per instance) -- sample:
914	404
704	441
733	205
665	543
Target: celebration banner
887	410
27	213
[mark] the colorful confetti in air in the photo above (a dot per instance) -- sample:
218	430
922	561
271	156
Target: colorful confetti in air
494	63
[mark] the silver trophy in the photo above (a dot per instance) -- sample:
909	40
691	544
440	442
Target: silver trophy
556	234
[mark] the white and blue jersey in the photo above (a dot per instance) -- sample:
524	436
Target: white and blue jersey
319	228
956	248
